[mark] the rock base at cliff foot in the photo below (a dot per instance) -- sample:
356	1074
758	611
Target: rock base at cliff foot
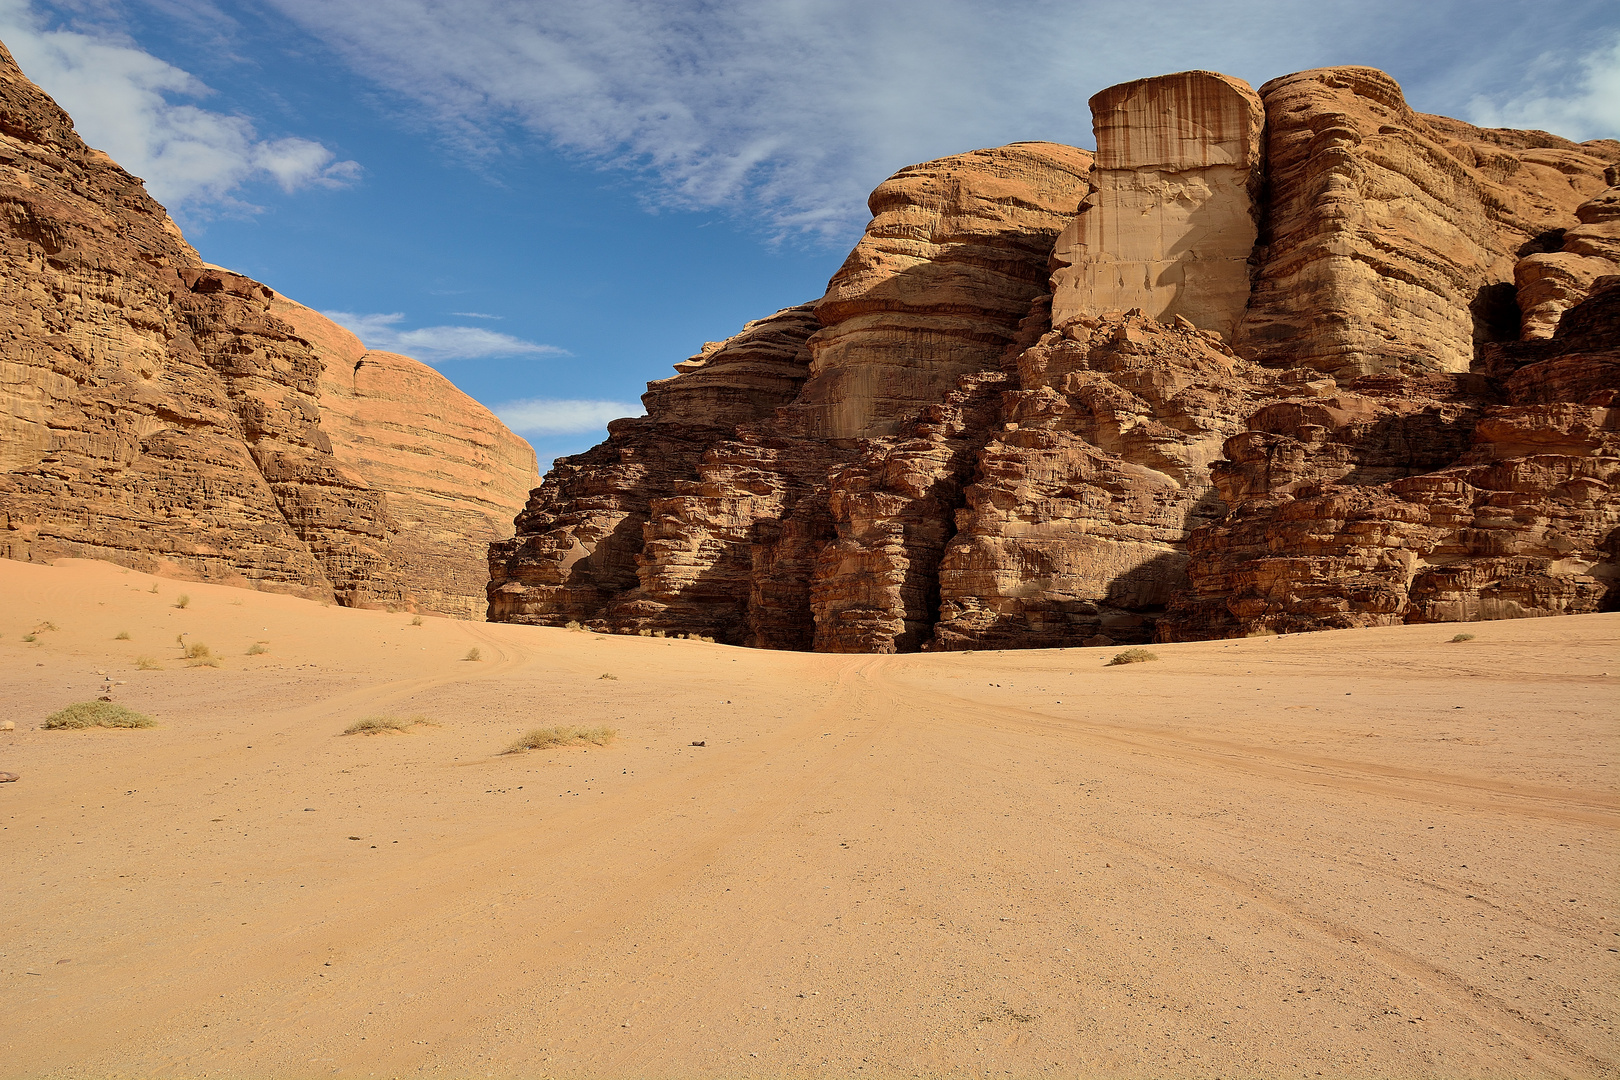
1369	852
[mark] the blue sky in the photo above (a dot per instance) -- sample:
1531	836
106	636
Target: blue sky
553	202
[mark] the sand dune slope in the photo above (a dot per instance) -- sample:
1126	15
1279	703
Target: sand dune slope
1364	853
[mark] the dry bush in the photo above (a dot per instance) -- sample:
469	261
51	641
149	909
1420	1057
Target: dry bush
198	651
153	588
615	678
379	725
44	626
574	626
545	738
123	635
147	663
1463	637
30	637
182	601
473	654
88	714
417	621
1133	656
258	648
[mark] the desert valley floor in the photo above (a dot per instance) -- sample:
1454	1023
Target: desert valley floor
1370	852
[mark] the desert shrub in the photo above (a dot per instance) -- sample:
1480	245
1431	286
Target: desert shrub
545	738
198	651
1463	637
147	663
573	625
473	654
88	714
123	635
605	675
30	637
1133	656
182	601
154	588
44	626
417	621
378	725
258	648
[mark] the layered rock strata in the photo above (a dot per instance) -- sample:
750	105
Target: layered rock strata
165	414
1305	359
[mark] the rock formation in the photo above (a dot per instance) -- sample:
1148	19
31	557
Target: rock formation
1316	412
165	414
1174	211
1272	362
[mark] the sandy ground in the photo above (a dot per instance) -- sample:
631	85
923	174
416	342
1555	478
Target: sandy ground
1366	853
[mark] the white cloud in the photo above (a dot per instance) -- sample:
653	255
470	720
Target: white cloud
1580	100
475	315
119	98
436	344
542	417
787	113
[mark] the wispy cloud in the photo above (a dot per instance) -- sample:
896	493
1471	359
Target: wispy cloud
543	417
119	98
436	344
788	113
1578	97
475	315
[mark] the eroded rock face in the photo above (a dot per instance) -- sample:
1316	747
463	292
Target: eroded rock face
956	251
1386	230
1171	220
164	414
1410	416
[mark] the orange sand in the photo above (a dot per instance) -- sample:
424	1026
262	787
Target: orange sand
1357	853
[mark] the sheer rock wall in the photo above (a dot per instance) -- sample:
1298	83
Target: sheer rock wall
165	414
1304	359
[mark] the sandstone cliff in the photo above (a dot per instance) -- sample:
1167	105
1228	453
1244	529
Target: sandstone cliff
165	414
1274	361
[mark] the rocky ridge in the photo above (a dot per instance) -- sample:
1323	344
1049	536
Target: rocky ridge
166	414
1274	361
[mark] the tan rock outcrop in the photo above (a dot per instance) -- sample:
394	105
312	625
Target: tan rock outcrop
453	474
1171	221
1385	229
1550	283
935	289
1375	433
166	414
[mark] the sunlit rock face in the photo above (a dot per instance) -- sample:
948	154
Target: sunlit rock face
169	415
1293	360
936	288
1170	224
1389	236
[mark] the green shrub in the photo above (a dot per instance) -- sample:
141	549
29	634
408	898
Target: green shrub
1463	637
1133	656
545	738
88	714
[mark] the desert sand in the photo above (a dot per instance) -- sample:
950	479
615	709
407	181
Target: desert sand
1366	852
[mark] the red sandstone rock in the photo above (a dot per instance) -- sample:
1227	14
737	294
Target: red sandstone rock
169	415
1376	433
